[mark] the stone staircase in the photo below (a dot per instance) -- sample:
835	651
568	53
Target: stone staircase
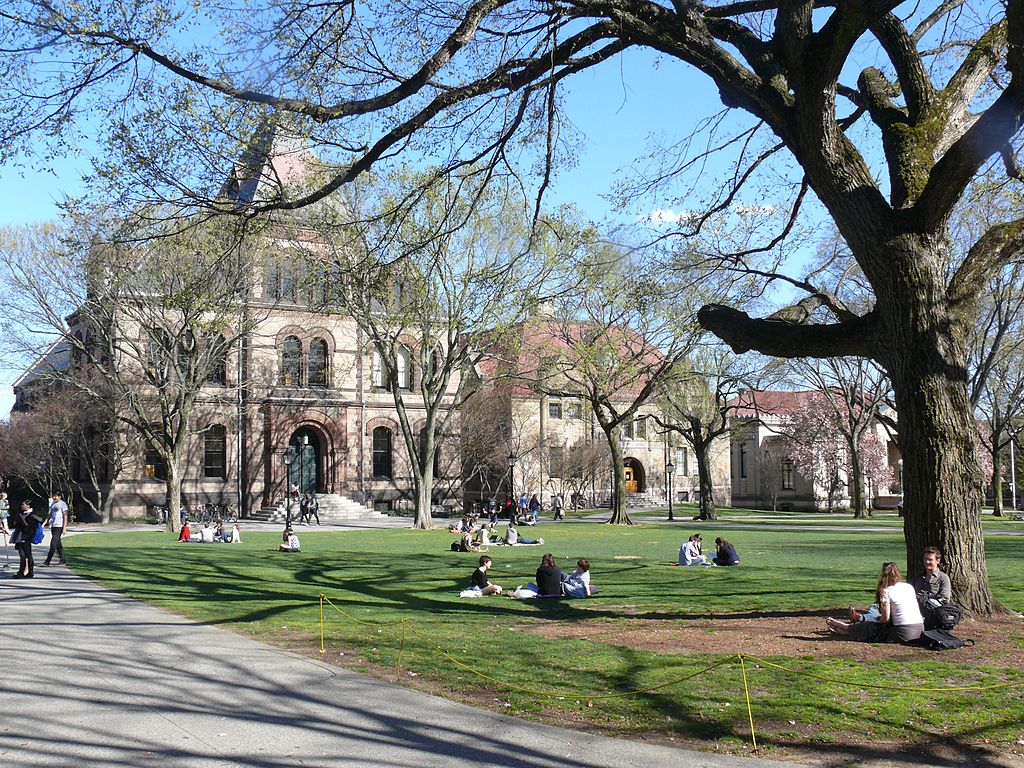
334	508
646	499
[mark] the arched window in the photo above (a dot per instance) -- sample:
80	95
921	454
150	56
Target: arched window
381	452
403	363
317	366
217	360
378	371
291	362
215	451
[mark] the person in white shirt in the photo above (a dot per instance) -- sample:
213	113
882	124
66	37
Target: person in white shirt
58	523
689	553
899	619
289	542
208	534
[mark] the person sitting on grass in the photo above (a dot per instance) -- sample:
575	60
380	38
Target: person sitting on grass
289	541
186	532
549	577
481	582
235	537
725	553
899	620
689	553
207	534
577	584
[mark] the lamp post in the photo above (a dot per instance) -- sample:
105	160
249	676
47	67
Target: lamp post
288	487
669	470
512	487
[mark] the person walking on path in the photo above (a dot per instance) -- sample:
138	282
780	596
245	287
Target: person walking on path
58	523
25	527
559	506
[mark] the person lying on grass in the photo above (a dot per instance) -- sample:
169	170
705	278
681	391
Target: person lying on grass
289	541
899	619
479	579
512	537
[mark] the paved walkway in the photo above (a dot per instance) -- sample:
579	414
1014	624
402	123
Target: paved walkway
92	678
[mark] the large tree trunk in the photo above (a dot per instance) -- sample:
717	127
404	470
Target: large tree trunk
423	484
620	515
173	494
859	505
702	452
926	356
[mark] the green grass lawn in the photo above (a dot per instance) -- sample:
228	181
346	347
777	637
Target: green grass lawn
383	576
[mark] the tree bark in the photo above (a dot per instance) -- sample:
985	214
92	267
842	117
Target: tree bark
173	494
859	510
925	352
423	483
620	515
702	451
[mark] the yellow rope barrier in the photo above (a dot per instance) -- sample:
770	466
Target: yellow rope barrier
746	692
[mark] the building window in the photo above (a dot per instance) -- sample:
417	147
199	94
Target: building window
403	364
627	430
215	452
787	475
291	362
641	428
743	460
381	452
574	409
318	363
156	467
217	373
682	461
272	283
554	409
555	461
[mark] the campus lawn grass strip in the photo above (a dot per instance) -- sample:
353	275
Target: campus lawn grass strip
386	576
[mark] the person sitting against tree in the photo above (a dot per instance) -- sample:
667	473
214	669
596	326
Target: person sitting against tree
479	579
289	541
725	553
899	620
689	553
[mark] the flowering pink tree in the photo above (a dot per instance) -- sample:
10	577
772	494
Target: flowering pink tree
874	464
983	450
816	447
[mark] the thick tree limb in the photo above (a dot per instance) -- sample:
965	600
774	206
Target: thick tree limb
998	246
781	338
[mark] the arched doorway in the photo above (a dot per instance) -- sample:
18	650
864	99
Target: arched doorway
636	478
304	452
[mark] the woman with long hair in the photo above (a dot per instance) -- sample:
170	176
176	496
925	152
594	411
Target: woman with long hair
899	619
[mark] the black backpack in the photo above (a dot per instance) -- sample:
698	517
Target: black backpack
943	616
942	640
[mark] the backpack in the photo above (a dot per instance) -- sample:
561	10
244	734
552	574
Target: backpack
942	640
943	616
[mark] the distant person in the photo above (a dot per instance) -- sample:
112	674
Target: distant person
208	535
535	508
481	582
235	535
289	541
558	505
58	523
690	554
5	512
513	537
186	532
313	509
522	507
725	553
25	527
577	584
899	620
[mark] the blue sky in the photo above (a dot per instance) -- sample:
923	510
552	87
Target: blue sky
616	107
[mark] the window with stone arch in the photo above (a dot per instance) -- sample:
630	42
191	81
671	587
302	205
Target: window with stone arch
291	362
317	363
403	363
382	452
217	362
